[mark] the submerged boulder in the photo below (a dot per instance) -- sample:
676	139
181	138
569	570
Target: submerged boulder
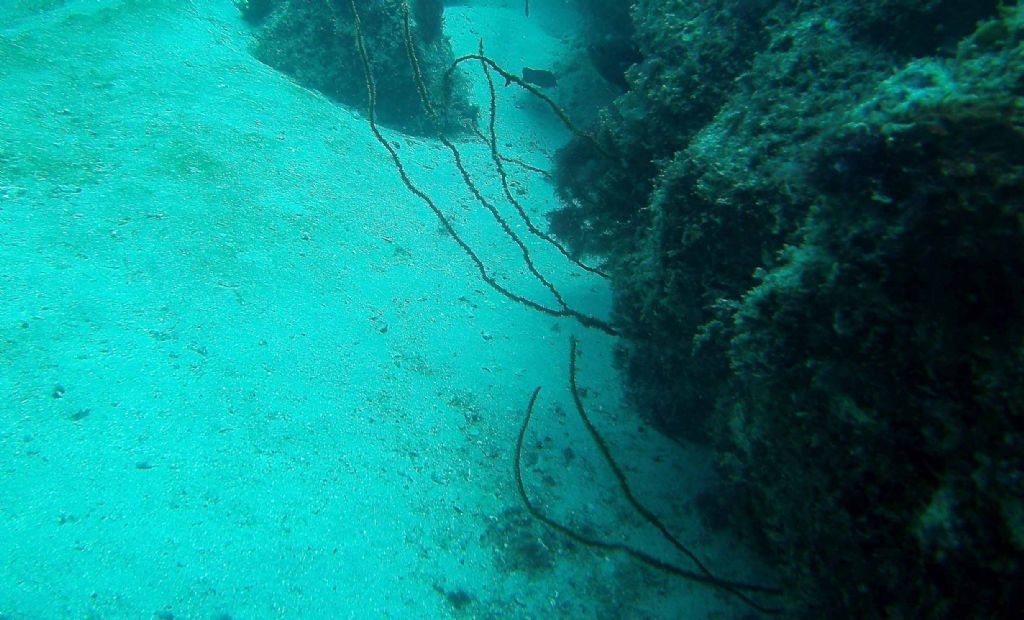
314	44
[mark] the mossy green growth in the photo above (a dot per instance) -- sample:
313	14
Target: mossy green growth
820	255
876	400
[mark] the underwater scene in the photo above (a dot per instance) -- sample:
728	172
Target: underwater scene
487	309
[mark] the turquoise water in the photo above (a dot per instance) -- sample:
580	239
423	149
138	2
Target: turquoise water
245	374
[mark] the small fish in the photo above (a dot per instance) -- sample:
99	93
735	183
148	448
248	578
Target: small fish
537	77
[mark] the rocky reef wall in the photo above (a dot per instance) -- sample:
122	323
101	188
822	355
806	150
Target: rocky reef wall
814	218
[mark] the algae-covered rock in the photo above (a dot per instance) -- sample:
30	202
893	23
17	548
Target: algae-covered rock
878	366
817	234
712	144
313	43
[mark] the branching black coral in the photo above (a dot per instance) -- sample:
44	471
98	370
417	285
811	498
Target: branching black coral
435	120
511	78
492	141
563	310
701	575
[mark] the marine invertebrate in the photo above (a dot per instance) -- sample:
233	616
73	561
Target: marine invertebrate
702	574
562	309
